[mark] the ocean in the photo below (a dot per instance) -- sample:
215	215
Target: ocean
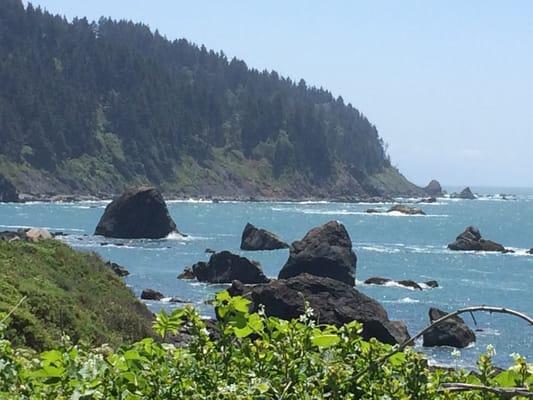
387	245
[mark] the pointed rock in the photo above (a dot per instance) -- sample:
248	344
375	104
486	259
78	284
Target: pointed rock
260	239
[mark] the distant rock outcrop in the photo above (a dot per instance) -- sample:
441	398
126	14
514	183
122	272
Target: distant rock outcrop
117	269
433	188
377	280
225	267
451	332
332	301
324	251
402	208
466	194
427	200
530	251
8	192
471	240
137	213
260	239
151	294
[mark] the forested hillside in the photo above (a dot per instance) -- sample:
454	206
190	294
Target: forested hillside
89	108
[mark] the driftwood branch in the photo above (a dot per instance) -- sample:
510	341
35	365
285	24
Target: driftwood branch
13	309
502	392
402	346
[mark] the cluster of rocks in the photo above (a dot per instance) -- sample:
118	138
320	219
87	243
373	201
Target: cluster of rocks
151	294
399	208
471	240
28	234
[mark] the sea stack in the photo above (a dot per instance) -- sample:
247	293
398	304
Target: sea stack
260	239
324	251
433	188
471	240
138	213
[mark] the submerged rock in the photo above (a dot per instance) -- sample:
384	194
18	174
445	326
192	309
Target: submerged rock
452	332
427	200
471	240
372	211
332	302
432	284
377	280
324	251
260	239
8	192
433	188
151	294
225	267
466	194
137	213
402	208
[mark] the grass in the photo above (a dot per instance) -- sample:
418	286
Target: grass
68	292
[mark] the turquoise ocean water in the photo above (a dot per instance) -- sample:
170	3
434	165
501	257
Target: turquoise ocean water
392	246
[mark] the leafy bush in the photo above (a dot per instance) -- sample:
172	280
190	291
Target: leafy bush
254	357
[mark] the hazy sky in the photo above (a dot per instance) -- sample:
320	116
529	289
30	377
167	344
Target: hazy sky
449	84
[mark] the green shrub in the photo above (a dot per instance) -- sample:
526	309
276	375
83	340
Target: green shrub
255	357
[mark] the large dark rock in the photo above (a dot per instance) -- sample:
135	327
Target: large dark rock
332	301
260	239
530	251
433	188
225	267
137	213
451	332
8	192
324	251
377	280
402	208
151	294
466	194
471	240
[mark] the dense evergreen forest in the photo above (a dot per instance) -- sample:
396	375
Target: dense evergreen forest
91	107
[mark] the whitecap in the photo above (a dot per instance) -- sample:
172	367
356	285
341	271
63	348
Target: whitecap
403	300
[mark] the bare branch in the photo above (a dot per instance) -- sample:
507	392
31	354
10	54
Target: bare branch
13	309
410	341
503	392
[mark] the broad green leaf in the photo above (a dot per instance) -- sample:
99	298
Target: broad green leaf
325	340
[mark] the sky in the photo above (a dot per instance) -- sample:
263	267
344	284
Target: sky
448	84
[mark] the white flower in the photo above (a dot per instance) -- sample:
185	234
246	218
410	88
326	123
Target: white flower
261	311
456	353
491	351
515	356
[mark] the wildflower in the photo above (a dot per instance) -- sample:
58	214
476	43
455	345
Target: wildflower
491	351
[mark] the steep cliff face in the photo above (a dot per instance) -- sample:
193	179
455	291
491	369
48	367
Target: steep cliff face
90	108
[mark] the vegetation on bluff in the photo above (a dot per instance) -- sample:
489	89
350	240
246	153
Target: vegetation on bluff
67	293
91	107
254	357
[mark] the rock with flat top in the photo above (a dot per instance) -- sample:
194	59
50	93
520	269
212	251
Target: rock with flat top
151	294
402	208
138	213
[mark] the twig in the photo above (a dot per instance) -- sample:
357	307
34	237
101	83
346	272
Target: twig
410	341
13	309
504	392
